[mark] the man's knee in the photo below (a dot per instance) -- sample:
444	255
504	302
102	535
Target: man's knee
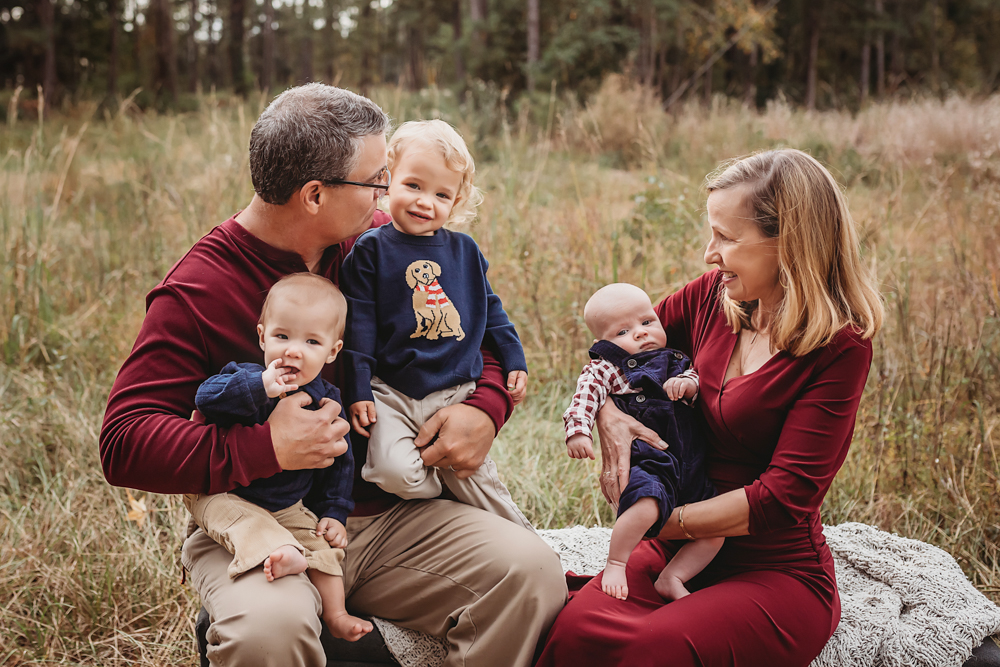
533	568
280	627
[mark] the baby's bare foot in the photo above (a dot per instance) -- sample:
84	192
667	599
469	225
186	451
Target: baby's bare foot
285	560
614	582
670	587
345	626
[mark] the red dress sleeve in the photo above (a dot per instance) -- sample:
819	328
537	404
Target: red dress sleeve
682	314
814	438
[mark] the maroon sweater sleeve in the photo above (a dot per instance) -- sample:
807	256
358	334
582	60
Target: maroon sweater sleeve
148	441
491	394
814	439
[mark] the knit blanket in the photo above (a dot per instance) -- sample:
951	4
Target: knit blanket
904	603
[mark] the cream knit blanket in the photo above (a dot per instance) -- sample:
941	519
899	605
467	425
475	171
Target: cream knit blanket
903	602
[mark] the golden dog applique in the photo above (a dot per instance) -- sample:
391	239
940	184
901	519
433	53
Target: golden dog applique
436	316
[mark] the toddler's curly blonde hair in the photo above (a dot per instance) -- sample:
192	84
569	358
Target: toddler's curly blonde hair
442	136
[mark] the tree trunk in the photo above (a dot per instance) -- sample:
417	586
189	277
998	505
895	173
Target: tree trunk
456	25
814	9
306	49
532	42
47	19
113	56
866	64
750	91
237	38
675	74
165	71
935	49
267	47
330	48
415	48
647	42
879	50
707	86
212	52
478	14
367	37
192	48
897	48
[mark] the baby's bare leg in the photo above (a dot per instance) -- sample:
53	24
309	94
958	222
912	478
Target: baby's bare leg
689	561
340	623
628	532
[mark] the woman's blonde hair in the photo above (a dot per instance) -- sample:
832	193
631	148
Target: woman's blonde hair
793	198
442	136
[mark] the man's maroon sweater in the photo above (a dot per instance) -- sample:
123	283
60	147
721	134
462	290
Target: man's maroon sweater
199	318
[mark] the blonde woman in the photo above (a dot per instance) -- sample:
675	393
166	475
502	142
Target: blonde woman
780	334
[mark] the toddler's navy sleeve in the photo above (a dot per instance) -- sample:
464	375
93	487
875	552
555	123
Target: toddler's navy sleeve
237	391
500	329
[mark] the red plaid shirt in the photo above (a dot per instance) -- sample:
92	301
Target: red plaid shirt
598	379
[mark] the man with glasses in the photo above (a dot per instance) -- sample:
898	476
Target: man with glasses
490	588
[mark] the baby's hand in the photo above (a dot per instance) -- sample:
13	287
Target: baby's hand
680	387
275	380
580	446
333	531
362	416
517	385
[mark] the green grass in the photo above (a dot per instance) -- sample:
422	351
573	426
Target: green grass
94	208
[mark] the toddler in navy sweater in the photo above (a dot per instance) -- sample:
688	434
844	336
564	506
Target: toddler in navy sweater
420	310
632	365
293	521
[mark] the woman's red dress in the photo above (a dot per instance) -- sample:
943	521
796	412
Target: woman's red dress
781	433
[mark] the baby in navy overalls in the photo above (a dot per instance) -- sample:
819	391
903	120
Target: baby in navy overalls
656	385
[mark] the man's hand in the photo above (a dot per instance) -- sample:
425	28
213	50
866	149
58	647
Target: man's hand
276	380
580	446
333	531
517	385
617	431
680	387
306	439
462	436
362	416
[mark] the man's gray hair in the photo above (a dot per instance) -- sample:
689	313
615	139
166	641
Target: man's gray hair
311	132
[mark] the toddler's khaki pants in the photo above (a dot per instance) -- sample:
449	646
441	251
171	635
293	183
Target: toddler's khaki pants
251	533
394	462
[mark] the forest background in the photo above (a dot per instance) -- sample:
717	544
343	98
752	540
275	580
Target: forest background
123	140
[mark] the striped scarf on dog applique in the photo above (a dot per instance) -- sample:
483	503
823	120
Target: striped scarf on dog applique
436	297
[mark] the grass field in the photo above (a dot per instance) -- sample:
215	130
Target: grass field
96	205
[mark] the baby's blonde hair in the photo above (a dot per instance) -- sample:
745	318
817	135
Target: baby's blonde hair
442	136
320	289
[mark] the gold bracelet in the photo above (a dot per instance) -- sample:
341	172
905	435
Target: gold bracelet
680	520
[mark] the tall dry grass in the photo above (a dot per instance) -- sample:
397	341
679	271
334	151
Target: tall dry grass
94	210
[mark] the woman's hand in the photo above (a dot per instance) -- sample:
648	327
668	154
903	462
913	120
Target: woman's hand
617	431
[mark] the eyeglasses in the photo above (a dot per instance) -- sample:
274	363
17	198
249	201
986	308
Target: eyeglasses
382	181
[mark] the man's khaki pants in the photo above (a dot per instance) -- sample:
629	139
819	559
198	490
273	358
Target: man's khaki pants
489	587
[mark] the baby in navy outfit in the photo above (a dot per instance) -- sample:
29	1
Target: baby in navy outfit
656	385
293	521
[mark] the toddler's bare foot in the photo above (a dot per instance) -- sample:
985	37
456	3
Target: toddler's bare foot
670	587
285	560
614	582
345	626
